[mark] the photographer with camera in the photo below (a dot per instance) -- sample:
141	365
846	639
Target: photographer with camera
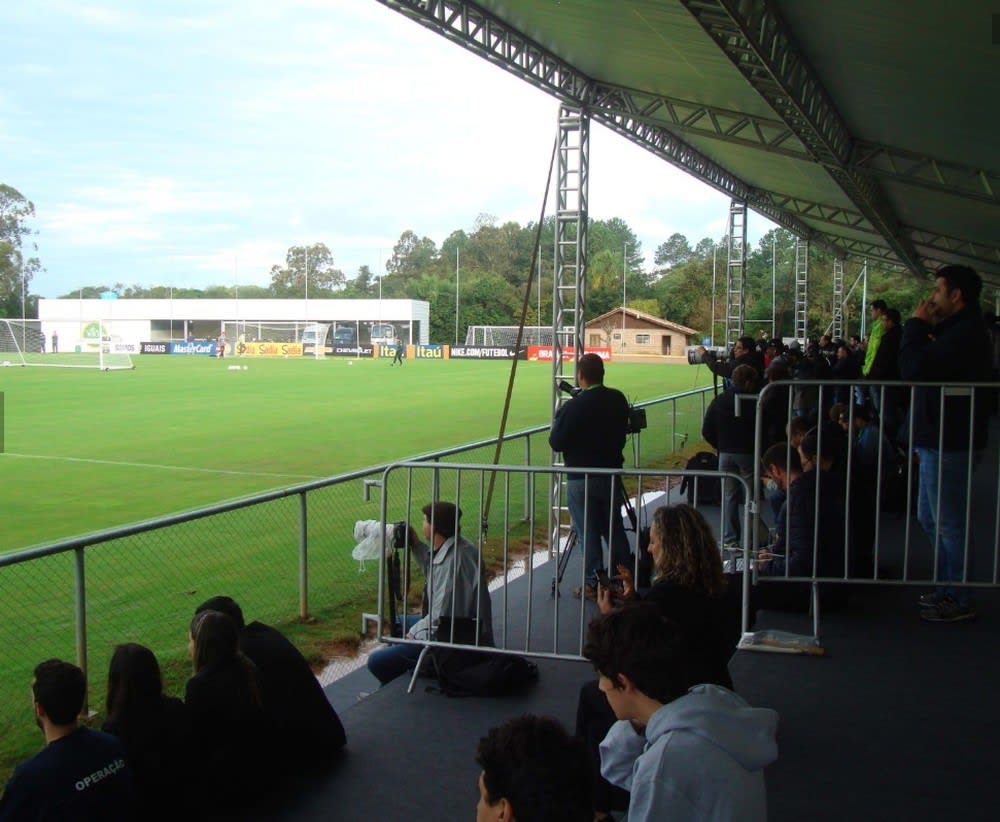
590	432
455	589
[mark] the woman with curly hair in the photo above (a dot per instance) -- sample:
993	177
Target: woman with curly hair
691	590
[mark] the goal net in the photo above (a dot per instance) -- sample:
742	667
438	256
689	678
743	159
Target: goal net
506	335
63	345
314	338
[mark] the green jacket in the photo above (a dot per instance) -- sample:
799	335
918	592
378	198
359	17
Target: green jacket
873	343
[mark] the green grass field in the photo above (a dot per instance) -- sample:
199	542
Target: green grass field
87	450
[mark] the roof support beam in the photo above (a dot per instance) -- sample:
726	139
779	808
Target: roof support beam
909	167
483	34
757	41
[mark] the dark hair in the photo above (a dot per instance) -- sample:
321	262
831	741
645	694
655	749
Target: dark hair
644	646
964	279
782	456
893	315
216	638
744	377
749	343
690	554
798	425
879	305
59	687
444	516
133	679
826	440
591	368
217	642
224	605
538	768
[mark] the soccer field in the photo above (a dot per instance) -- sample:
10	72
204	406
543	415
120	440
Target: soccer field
86	450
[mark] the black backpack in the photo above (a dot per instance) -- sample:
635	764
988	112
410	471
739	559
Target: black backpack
464	672
482	673
709	488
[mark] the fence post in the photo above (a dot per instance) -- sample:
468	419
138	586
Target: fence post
81	619
303	557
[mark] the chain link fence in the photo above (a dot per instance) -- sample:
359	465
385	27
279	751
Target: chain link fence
285	556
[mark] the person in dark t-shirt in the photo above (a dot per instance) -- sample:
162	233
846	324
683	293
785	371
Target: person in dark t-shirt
81	774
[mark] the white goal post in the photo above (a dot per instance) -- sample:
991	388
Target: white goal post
64	345
506	335
314	337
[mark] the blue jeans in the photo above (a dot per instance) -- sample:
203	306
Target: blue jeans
951	526
595	511
392	661
732	493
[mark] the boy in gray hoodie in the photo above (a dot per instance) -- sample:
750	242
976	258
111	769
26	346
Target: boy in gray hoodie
682	753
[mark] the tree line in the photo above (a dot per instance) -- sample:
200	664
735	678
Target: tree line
491	266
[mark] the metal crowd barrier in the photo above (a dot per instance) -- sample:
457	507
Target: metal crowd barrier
902	554
532	613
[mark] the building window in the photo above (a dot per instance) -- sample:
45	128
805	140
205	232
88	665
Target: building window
596	340
616	336
642	339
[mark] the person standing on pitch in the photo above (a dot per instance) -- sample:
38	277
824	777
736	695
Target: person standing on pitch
590	432
398	358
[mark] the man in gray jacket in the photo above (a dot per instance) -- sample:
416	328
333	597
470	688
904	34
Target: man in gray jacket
682	753
456	589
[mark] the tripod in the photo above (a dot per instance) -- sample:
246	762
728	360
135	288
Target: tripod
573	538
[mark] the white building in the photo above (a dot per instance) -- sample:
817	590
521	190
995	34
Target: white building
77	321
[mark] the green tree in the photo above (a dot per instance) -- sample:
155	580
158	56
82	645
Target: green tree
16	270
308	271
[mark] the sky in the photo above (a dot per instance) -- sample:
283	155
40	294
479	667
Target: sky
192	142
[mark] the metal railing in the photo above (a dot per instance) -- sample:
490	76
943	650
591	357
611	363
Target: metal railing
899	553
531	613
283	554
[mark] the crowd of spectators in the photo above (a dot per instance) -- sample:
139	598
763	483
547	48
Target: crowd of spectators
253	712
837	438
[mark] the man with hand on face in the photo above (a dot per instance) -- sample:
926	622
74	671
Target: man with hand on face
946	341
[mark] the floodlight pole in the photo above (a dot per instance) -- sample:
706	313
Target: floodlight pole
715	249
457	268
774	314
624	275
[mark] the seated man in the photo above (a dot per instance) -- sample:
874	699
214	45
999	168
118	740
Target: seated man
455	588
532	771
682	754
81	773
306	726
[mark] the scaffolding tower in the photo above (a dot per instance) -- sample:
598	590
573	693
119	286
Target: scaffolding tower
736	272
801	290
837	328
569	281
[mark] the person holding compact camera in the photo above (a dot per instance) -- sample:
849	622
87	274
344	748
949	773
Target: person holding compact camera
590	431
455	589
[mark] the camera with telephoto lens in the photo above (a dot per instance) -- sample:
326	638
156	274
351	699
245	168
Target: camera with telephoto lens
399	531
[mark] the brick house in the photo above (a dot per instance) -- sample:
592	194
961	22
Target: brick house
644	334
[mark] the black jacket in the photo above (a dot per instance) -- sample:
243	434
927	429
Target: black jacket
957	349
590	429
305	724
724	430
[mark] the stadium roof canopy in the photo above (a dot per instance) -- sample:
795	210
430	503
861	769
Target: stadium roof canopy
869	126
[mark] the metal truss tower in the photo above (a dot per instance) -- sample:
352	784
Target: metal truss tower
736	271
837	328
570	279
801	290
